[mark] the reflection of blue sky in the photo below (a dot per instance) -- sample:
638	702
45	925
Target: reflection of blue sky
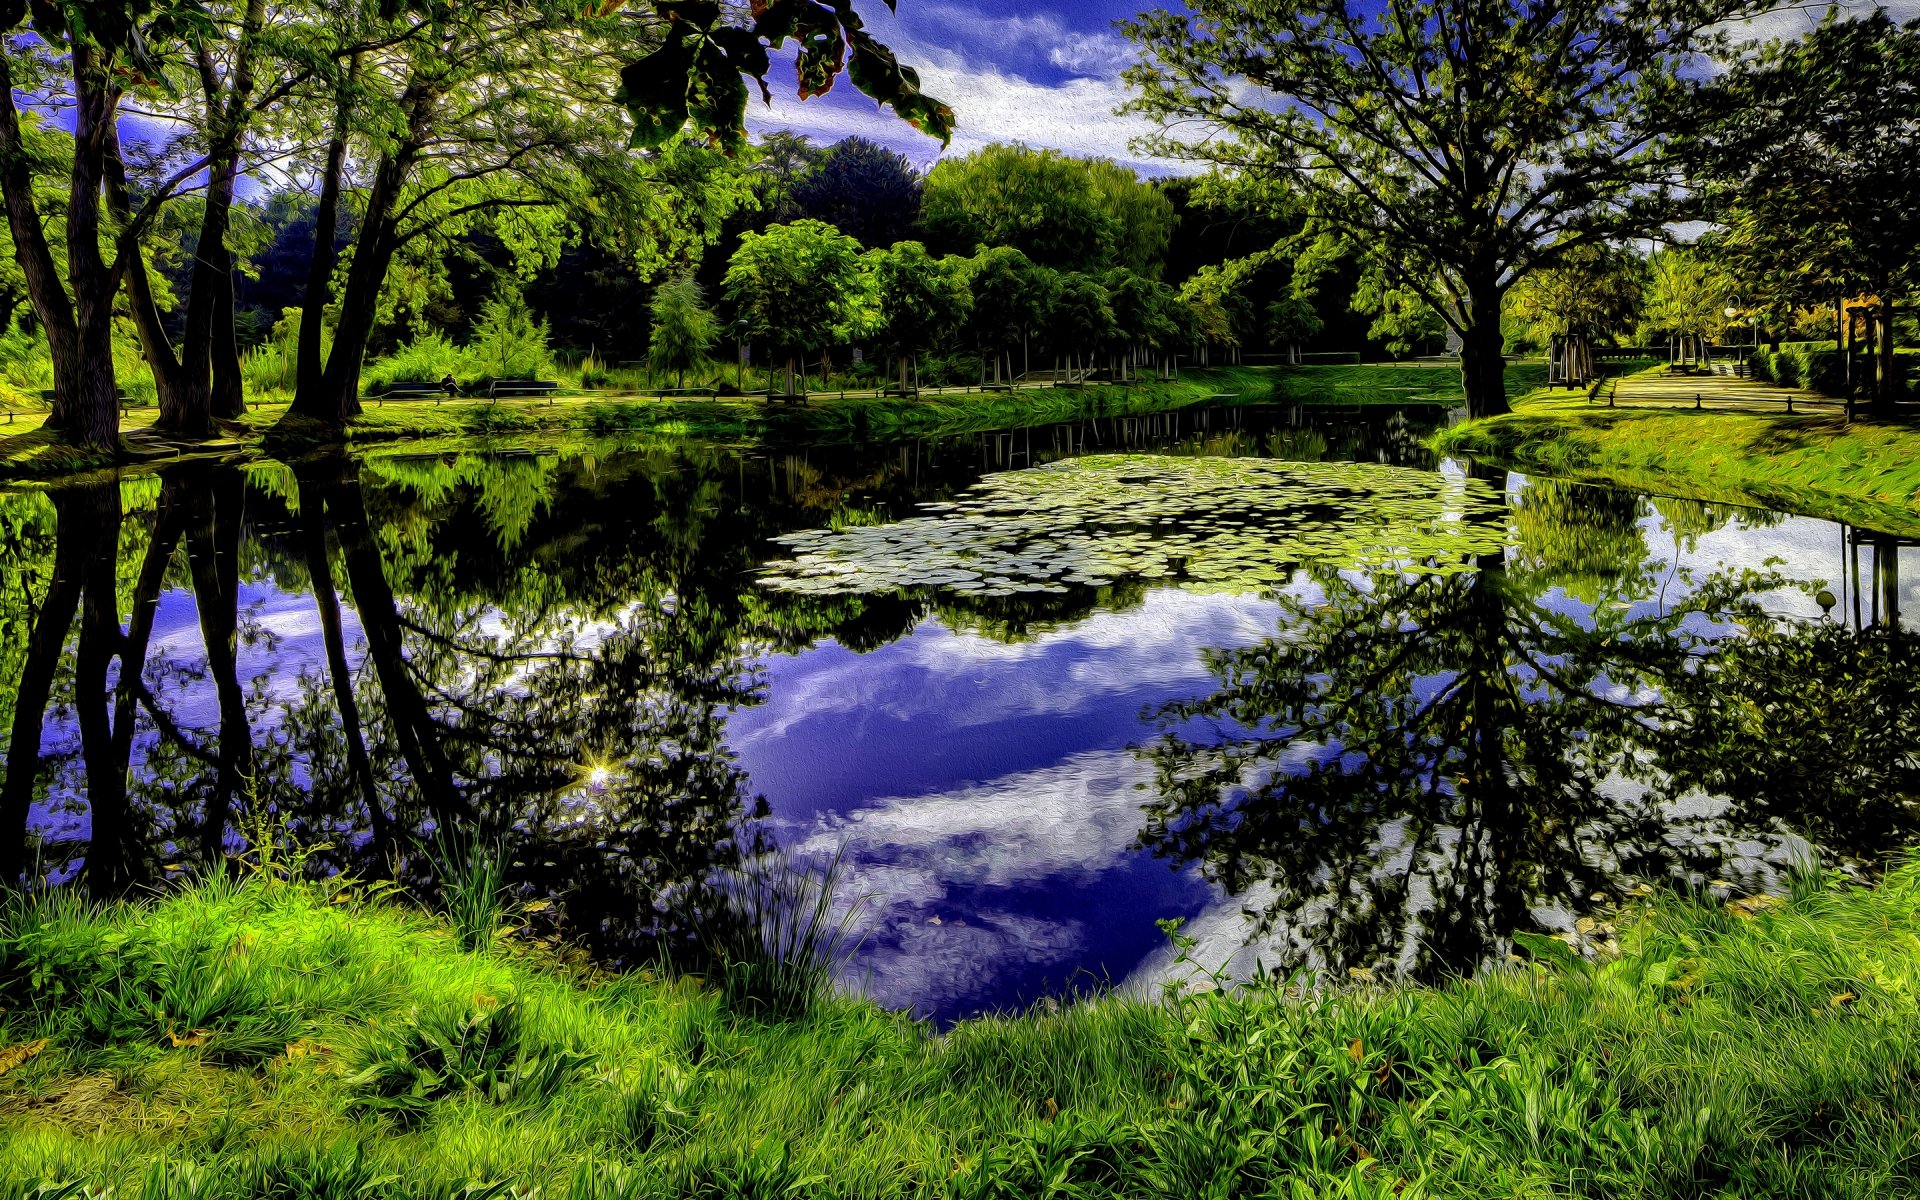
985	801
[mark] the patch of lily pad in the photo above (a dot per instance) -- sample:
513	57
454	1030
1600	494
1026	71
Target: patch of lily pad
1201	523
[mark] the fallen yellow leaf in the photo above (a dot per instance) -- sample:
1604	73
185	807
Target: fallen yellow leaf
193	1037
1843	998
13	1056
1355	1050
1747	906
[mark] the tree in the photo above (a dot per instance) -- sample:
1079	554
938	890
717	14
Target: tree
923	301
866	191
1067	213
1081	320
1810	160
94	50
683	329
793	285
1012	296
1591	293
1461	144
1686	299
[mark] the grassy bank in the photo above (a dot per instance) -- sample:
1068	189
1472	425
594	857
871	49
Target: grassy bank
1866	473
292	1040
28	451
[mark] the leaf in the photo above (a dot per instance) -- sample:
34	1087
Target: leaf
1363	974
1748	906
1355	1050
1842	1000
654	90
193	1037
1545	949
13	1056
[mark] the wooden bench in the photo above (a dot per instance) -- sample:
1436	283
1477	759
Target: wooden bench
413	389
47	394
522	387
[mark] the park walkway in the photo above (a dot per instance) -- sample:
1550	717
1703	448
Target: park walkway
1721	392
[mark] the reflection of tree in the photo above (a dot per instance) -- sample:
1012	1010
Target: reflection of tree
87	523
1408	769
1809	724
1582	538
1414	767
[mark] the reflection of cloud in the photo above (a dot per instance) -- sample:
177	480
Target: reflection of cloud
949	878
972	680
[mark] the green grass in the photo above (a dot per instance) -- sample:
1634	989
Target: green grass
302	1040
1391	383
1866	473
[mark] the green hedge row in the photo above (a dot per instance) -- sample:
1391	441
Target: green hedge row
1819	367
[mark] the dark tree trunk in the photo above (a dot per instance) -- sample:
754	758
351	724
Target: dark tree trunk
87	406
1886	383
1483	367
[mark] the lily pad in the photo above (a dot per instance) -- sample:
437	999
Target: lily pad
1206	523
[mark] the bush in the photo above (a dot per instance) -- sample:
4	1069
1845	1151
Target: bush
508	343
1815	366
427	358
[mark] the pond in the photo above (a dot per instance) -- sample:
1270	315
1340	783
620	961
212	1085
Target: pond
1019	696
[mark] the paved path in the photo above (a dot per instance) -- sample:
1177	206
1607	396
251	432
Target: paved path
1712	391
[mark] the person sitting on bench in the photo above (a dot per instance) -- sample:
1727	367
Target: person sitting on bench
449	386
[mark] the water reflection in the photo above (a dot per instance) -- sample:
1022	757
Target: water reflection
1416	767
573	657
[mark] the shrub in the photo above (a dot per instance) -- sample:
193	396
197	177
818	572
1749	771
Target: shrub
508	343
426	358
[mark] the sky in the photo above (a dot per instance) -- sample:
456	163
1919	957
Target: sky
1045	74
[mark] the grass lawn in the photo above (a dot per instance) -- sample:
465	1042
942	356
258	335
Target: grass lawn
1866	473
270	1039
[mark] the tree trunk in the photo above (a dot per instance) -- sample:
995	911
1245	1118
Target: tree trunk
1886	384
183	399
87	405
1483	368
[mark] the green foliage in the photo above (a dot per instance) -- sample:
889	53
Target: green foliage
1767	1046
1809	154
1061	212
795	285
426	359
696	80
1815	366
684	329
508	343
922	301
1686	296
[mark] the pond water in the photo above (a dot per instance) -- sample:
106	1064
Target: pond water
1269	670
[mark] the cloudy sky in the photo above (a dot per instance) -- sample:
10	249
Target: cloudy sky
1042	72
1046	74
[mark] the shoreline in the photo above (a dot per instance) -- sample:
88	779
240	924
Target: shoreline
1814	464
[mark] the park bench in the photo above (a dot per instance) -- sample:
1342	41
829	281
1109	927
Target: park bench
412	389
663	393
522	387
46	397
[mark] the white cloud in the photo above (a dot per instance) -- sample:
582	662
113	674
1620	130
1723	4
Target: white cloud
992	102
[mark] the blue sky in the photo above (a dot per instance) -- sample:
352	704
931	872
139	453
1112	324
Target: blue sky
1043	74
1047	74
